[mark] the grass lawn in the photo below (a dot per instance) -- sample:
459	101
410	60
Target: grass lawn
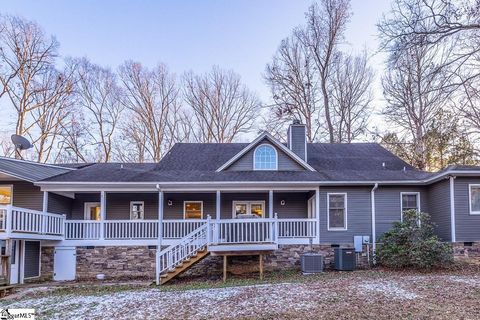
378	294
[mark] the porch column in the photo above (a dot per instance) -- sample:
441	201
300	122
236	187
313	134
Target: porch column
317	212
45	201
160	235
218	206
453	236
103	213
270	204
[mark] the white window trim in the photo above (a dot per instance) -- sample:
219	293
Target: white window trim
86	213
401	202
276	157
143	209
249	204
192	201
11	192
345	228
471	212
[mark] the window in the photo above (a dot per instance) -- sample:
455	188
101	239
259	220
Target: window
5	195
265	158
193	210
92	211
474	198
256	208
337	211
410	201
137	209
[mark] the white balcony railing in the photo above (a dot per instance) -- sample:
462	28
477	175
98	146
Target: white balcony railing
235	231
297	228
15	220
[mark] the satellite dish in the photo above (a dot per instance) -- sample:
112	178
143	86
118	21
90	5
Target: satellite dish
20	142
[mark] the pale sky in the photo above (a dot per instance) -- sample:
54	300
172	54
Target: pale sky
188	35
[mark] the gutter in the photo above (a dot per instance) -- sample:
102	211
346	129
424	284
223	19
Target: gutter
374	232
452	209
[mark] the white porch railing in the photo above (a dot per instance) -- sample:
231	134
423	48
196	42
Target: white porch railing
21	220
297	228
177	229
82	230
131	229
235	231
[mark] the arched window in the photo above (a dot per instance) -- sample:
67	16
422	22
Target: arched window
265	158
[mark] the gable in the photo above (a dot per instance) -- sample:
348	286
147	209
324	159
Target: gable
245	162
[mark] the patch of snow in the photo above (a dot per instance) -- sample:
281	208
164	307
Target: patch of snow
217	303
474	281
388	288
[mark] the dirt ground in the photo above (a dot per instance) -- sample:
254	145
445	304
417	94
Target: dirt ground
375	294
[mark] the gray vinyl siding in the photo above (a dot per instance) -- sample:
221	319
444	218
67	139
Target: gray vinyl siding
118	205
26	195
439	208
78	204
297	144
388	205
358	215
285	162
32	259
228	198
175	211
296	205
59	204
467	226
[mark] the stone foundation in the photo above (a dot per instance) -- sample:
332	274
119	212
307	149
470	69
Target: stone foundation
466	251
287	257
46	263
123	262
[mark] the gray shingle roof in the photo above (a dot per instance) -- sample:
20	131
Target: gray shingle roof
30	171
198	162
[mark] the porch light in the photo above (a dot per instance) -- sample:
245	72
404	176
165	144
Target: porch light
282	203
169	202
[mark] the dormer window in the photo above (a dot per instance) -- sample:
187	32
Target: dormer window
265	158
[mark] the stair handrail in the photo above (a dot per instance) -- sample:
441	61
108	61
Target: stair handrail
188	246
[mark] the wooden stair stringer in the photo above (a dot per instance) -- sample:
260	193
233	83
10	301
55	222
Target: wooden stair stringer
184	266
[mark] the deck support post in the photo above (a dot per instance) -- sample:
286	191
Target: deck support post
225	259
270	204
103	214
160	236
260	262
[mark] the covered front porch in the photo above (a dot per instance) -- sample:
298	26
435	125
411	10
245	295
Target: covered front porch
235	216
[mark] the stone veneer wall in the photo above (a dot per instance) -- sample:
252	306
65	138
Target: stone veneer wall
138	262
116	262
46	263
466	250
287	257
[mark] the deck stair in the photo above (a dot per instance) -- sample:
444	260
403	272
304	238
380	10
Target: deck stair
179	257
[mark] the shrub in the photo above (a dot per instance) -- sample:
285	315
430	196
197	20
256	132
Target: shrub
412	243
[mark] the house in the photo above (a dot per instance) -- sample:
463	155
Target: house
264	197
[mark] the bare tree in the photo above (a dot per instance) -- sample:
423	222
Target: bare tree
324	31
293	82
152	97
304	74
351	96
55	103
26	54
414	88
99	95
221	106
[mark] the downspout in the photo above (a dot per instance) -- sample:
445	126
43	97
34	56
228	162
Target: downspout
374	232
159	235
452	209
